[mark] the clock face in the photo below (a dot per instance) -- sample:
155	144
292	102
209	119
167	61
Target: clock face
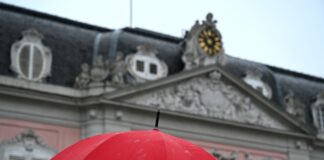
209	41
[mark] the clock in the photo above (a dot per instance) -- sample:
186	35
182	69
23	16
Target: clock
209	41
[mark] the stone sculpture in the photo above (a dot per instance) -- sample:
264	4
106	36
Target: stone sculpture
98	73
83	79
118	70
211	97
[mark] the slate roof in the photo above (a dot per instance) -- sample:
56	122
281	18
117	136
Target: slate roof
73	43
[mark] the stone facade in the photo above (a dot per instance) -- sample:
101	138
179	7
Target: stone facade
204	95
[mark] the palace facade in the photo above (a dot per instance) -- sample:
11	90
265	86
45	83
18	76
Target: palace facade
62	81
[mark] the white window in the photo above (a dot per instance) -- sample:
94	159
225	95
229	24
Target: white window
30	59
144	65
147	67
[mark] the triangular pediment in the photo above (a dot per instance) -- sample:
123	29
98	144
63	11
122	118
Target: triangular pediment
209	94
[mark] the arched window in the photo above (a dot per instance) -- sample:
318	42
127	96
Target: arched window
30	59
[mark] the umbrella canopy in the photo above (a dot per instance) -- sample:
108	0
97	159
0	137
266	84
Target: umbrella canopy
134	145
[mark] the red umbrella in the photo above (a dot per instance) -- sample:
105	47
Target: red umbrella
134	145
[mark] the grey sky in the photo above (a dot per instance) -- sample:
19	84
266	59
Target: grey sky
284	33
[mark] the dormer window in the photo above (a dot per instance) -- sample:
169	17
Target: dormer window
144	65
253	79
30	59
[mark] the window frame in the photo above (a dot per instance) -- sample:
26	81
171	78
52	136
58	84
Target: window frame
146	74
31	66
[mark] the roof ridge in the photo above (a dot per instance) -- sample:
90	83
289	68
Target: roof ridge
40	14
154	34
294	73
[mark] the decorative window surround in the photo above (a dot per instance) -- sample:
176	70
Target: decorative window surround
30	59
144	65
253	78
318	114
26	146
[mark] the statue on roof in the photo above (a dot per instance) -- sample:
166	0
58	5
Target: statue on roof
98	72
118	69
83	79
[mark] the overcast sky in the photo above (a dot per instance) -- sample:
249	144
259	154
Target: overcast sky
283	33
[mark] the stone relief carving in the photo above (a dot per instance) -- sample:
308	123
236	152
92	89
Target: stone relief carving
26	145
203	45
294	106
28	138
93	76
211	97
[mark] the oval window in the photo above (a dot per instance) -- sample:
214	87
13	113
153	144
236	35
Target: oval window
31	61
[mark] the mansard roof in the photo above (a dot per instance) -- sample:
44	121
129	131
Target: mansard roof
73	43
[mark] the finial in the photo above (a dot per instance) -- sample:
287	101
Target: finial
209	20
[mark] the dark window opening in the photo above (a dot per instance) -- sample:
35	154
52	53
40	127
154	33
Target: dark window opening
140	66
153	68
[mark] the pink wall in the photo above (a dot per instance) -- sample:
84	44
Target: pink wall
59	137
226	150
55	136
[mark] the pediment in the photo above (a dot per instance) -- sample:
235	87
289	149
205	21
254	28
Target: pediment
211	95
